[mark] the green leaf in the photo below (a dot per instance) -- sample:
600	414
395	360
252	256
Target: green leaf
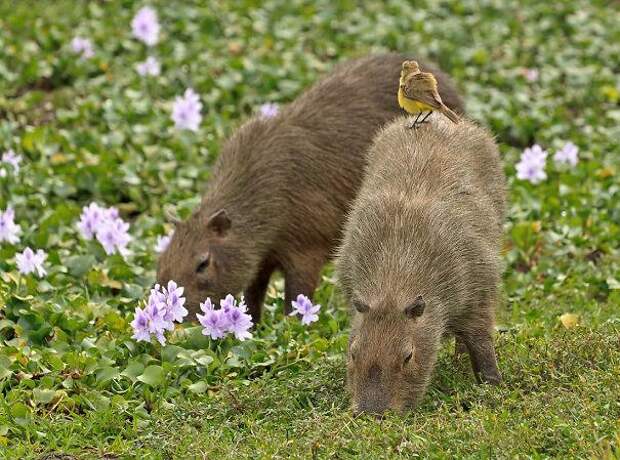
152	375
79	265
198	387
105	374
133	370
43	396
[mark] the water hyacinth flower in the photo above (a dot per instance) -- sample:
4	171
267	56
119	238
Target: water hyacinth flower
229	318
30	262
145	26
214	322
105	225
162	243
157	325
239	323
532	164
114	236
140	326
303	306
92	218
269	110
9	230
149	68
175	311
9	158
163	308
567	154
82	46
186	111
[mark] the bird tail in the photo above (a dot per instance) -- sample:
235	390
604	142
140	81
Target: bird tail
454	118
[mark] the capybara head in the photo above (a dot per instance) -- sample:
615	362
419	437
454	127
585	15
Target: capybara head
205	256
387	359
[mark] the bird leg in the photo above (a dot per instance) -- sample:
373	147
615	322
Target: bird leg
414	123
425	117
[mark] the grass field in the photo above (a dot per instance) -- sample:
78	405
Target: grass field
75	385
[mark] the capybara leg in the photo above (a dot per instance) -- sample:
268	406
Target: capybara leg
301	278
255	293
482	355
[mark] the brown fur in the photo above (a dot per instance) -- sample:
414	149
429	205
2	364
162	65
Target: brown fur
427	222
285	184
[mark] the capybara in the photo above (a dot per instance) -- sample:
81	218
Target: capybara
280	189
420	258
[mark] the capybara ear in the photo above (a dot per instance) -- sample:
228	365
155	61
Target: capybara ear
361	307
219	222
416	309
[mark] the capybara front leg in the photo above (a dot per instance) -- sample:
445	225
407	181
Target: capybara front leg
255	293
482	354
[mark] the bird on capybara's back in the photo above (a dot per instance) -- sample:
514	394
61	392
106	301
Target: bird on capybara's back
281	187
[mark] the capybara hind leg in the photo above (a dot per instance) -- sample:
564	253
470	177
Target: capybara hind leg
482	355
255	293
301	278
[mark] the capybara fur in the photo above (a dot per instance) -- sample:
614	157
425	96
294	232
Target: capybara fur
280	189
420	258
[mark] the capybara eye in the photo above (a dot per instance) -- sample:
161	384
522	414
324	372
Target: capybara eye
203	265
408	358
361	307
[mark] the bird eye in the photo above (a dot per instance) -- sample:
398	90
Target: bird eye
408	358
203	265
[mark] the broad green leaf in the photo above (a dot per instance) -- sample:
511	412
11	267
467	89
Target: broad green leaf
152	375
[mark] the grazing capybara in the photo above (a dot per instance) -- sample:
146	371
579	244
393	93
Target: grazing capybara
420	258
281	187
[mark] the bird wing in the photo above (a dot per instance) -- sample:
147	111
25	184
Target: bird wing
422	87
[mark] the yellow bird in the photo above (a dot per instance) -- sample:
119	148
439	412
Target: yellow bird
417	93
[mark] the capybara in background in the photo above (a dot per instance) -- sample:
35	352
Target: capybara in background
420	259
281	187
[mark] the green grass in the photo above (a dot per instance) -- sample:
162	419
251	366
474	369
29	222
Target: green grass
73	383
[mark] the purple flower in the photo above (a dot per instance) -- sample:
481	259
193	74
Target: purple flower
239	323
186	111
30	261
532	164
150	67
145	26
155	311
303	306
175	311
113	236
163	307
140	325
269	110
214	322
90	220
83	46
229	302
162	243
104	224
9	230
10	158
567	154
